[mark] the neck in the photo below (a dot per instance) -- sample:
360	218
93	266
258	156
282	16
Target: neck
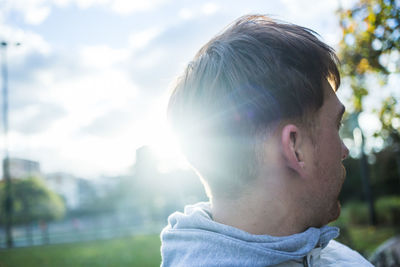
275	213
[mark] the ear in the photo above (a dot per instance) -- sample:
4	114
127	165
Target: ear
292	141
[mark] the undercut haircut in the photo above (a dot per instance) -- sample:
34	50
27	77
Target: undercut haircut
240	85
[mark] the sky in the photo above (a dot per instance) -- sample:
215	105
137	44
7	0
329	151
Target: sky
90	81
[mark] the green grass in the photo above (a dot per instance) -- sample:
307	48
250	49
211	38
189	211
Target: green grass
133	251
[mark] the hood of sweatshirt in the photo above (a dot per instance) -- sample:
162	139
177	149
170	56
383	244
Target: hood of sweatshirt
192	238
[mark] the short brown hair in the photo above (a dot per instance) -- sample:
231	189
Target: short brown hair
255	73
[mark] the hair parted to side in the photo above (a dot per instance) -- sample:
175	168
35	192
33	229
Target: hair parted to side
254	74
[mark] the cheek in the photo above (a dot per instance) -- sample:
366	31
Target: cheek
334	146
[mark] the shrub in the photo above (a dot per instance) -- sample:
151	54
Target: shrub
388	210
355	213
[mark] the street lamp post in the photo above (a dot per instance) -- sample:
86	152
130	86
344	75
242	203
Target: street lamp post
365	175
8	201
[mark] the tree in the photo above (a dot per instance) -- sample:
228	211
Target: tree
370	48
33	201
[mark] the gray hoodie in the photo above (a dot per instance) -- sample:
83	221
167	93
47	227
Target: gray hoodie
192	238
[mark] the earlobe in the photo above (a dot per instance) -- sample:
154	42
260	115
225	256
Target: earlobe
291	146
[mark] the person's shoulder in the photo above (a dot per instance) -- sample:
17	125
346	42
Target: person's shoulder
337	254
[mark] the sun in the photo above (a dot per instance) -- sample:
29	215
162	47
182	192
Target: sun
166	148
163	141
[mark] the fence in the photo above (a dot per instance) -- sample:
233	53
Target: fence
80	229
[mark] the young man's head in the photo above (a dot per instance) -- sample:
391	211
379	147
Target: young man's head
258	100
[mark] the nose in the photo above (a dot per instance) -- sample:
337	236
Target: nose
345	151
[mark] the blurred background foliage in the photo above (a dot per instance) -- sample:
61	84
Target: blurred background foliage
33	201
369	51
370	48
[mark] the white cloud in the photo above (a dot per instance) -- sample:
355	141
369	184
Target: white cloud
122	7
92	93
319	17
83	100
35	118
37	15
84	4
33	11
102	56
61	3
130	6
30	42
150	59
36	11
294	6
143	38
185	13
195	11
210	8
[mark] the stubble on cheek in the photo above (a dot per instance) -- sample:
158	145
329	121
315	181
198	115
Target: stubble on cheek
339	206
336	206
342	179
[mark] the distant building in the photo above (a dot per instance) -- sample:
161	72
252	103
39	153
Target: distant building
23	168
67	186
78	192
